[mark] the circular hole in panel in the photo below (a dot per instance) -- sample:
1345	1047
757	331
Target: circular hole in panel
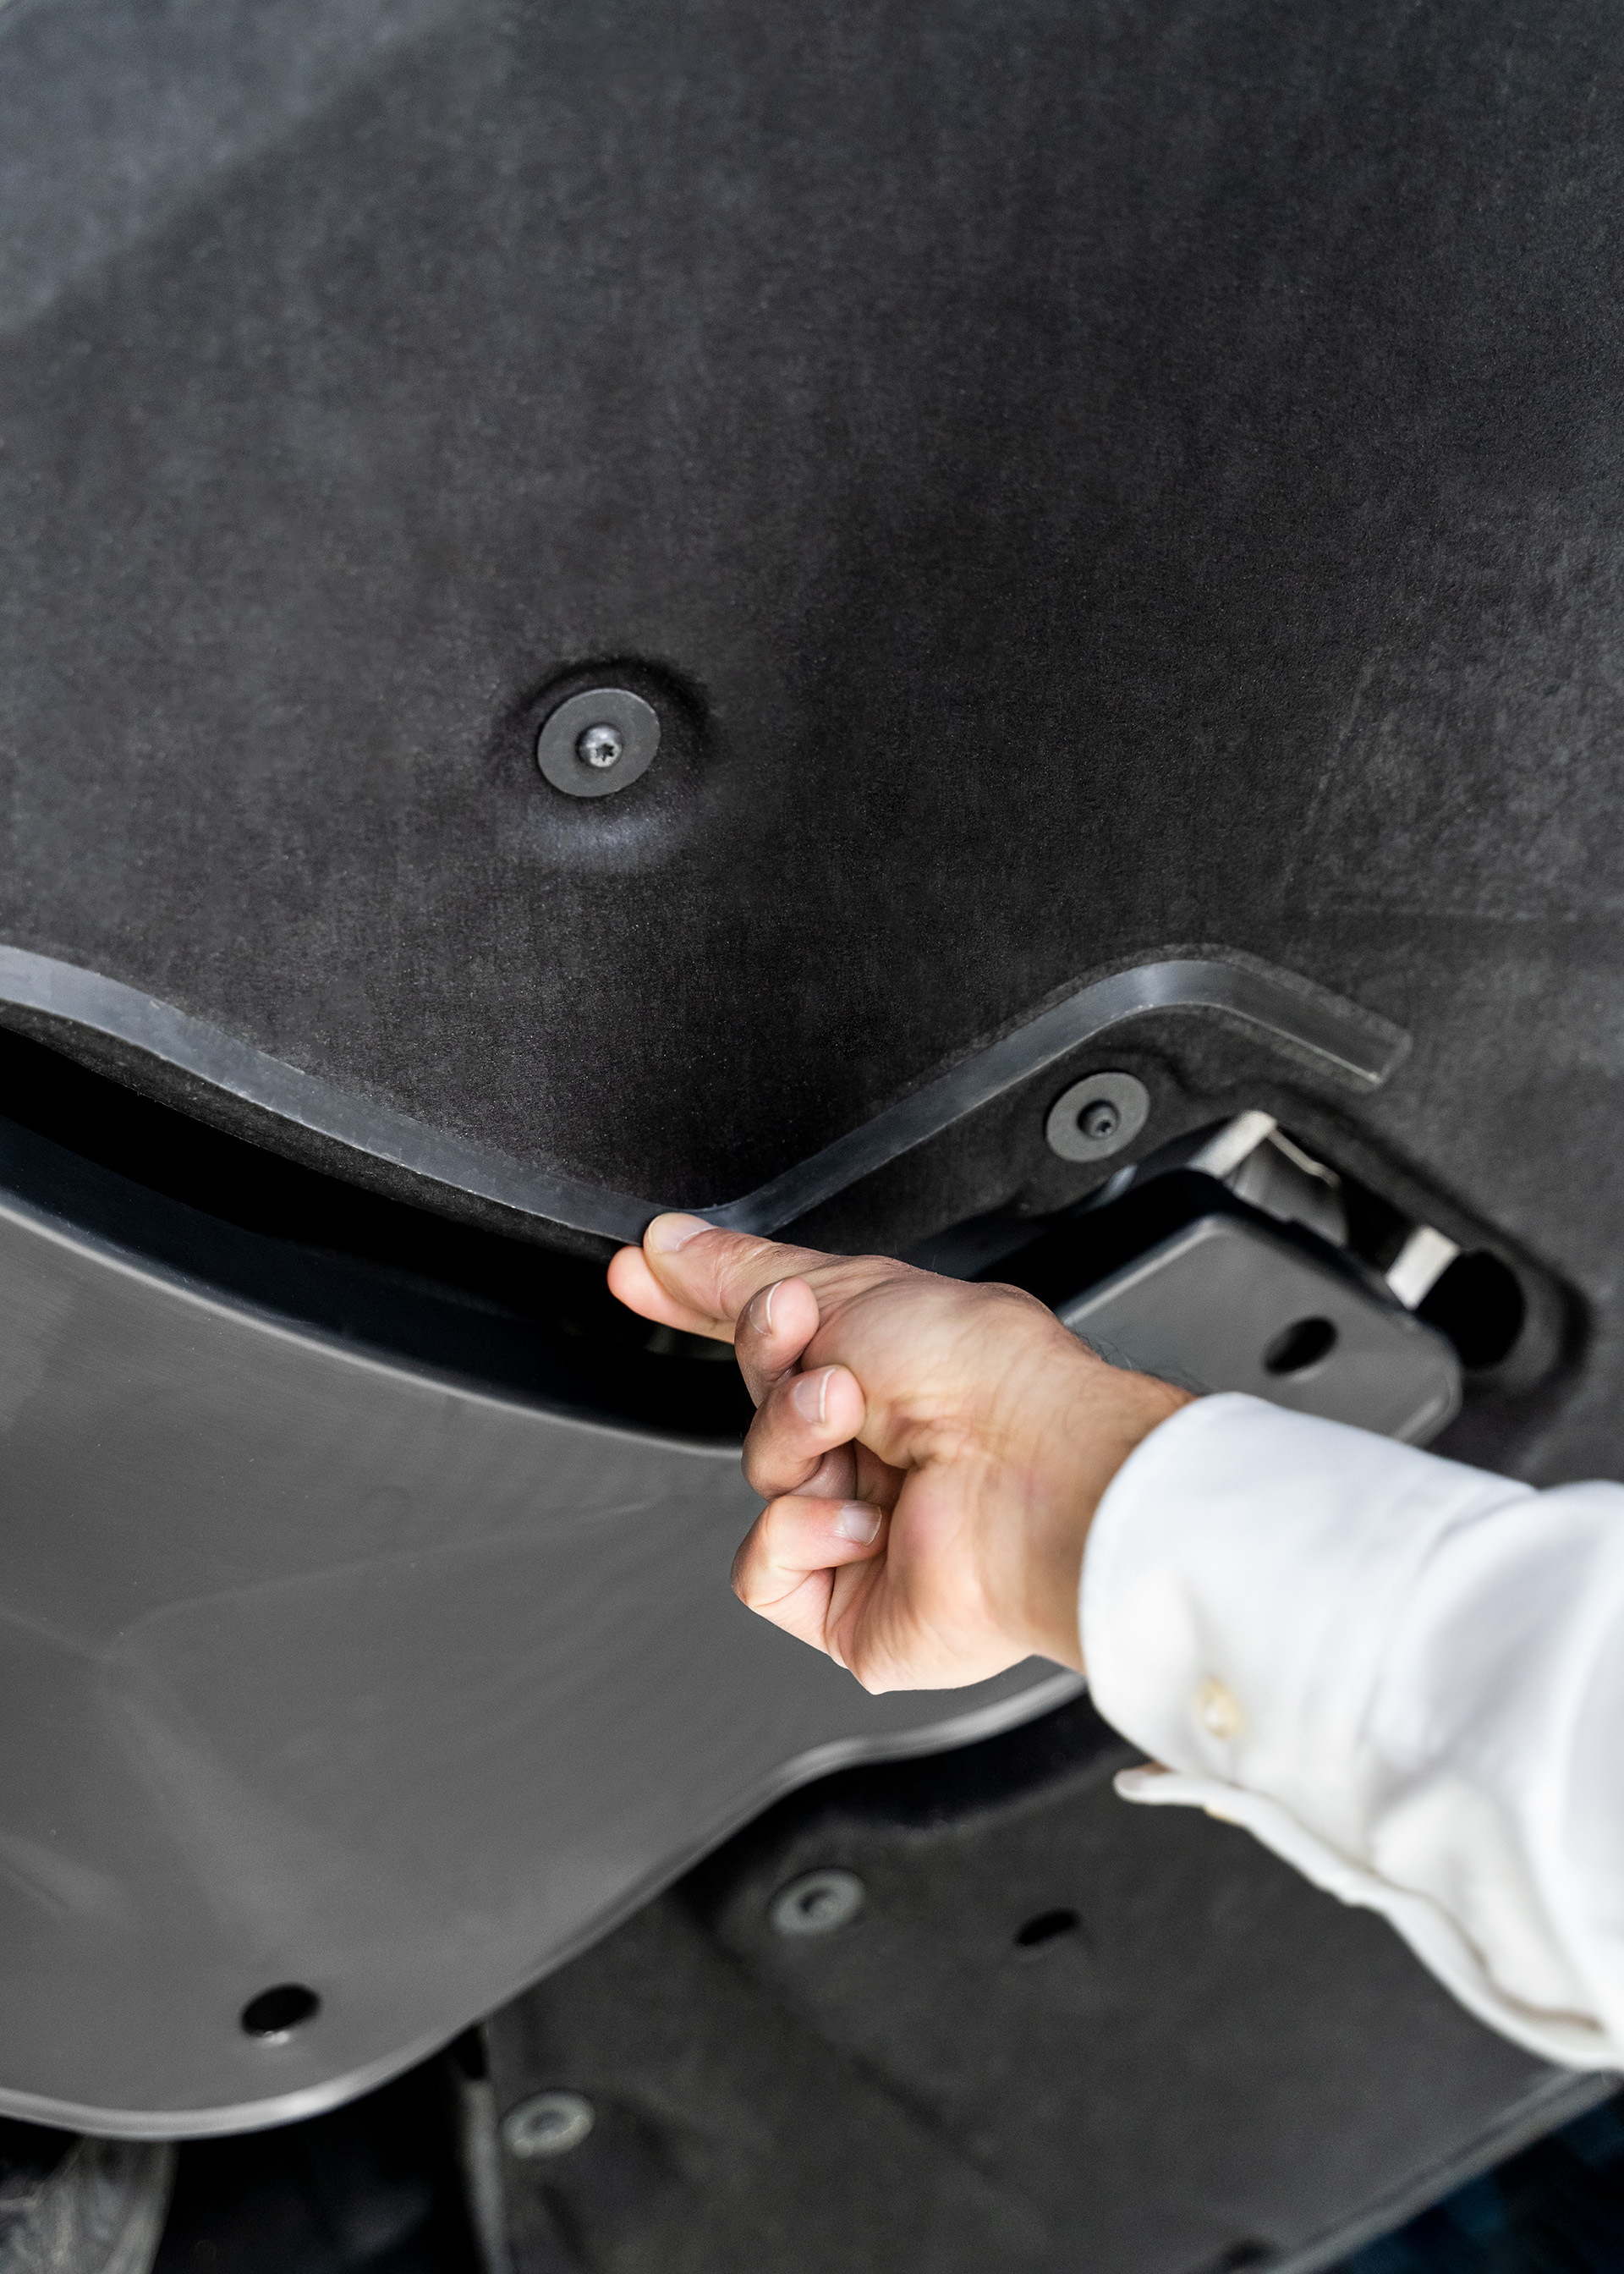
1045	1930
1298	1346
276	2013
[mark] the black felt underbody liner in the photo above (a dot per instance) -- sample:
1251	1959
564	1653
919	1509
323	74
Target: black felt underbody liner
1073	478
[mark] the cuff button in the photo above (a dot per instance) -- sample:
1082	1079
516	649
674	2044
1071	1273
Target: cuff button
1218	1710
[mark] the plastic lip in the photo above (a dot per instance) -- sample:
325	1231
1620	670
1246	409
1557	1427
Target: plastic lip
1339	1041
1350	1044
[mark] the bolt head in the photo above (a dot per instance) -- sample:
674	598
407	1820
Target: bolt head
1099	1119
601	745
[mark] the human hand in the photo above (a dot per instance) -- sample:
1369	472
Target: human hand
931	1452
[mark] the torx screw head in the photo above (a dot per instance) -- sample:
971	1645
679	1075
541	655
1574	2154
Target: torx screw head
1099	1119
601	745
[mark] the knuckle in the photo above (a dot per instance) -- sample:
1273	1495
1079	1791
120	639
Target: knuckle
998	1295
746	1265
1003	1294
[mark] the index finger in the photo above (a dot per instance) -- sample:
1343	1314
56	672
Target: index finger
692	1274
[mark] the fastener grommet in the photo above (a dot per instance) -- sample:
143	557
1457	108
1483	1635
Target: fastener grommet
1097	1117
598	742
548	2124
817	1902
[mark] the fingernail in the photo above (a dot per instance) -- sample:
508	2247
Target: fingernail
857	1521
667	1234
762	1307
811	1394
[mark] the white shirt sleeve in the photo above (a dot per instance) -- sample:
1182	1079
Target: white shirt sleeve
1404	1676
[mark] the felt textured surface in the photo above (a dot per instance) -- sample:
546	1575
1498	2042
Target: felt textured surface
1075	479
1090	478
1207	2066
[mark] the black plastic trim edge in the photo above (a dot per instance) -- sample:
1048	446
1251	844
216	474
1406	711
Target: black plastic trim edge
1351	1045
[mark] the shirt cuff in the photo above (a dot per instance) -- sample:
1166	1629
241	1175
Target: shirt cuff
1572	2040
1243	1574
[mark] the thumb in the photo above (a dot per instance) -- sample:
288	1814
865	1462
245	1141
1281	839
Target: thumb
688	1274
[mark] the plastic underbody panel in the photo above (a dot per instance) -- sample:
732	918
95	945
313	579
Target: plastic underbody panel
326	1670
1117	514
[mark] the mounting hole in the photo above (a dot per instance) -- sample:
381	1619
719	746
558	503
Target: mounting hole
1045	1931
1300	1345
275	2014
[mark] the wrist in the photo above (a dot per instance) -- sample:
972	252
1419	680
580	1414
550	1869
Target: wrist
1109	1416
